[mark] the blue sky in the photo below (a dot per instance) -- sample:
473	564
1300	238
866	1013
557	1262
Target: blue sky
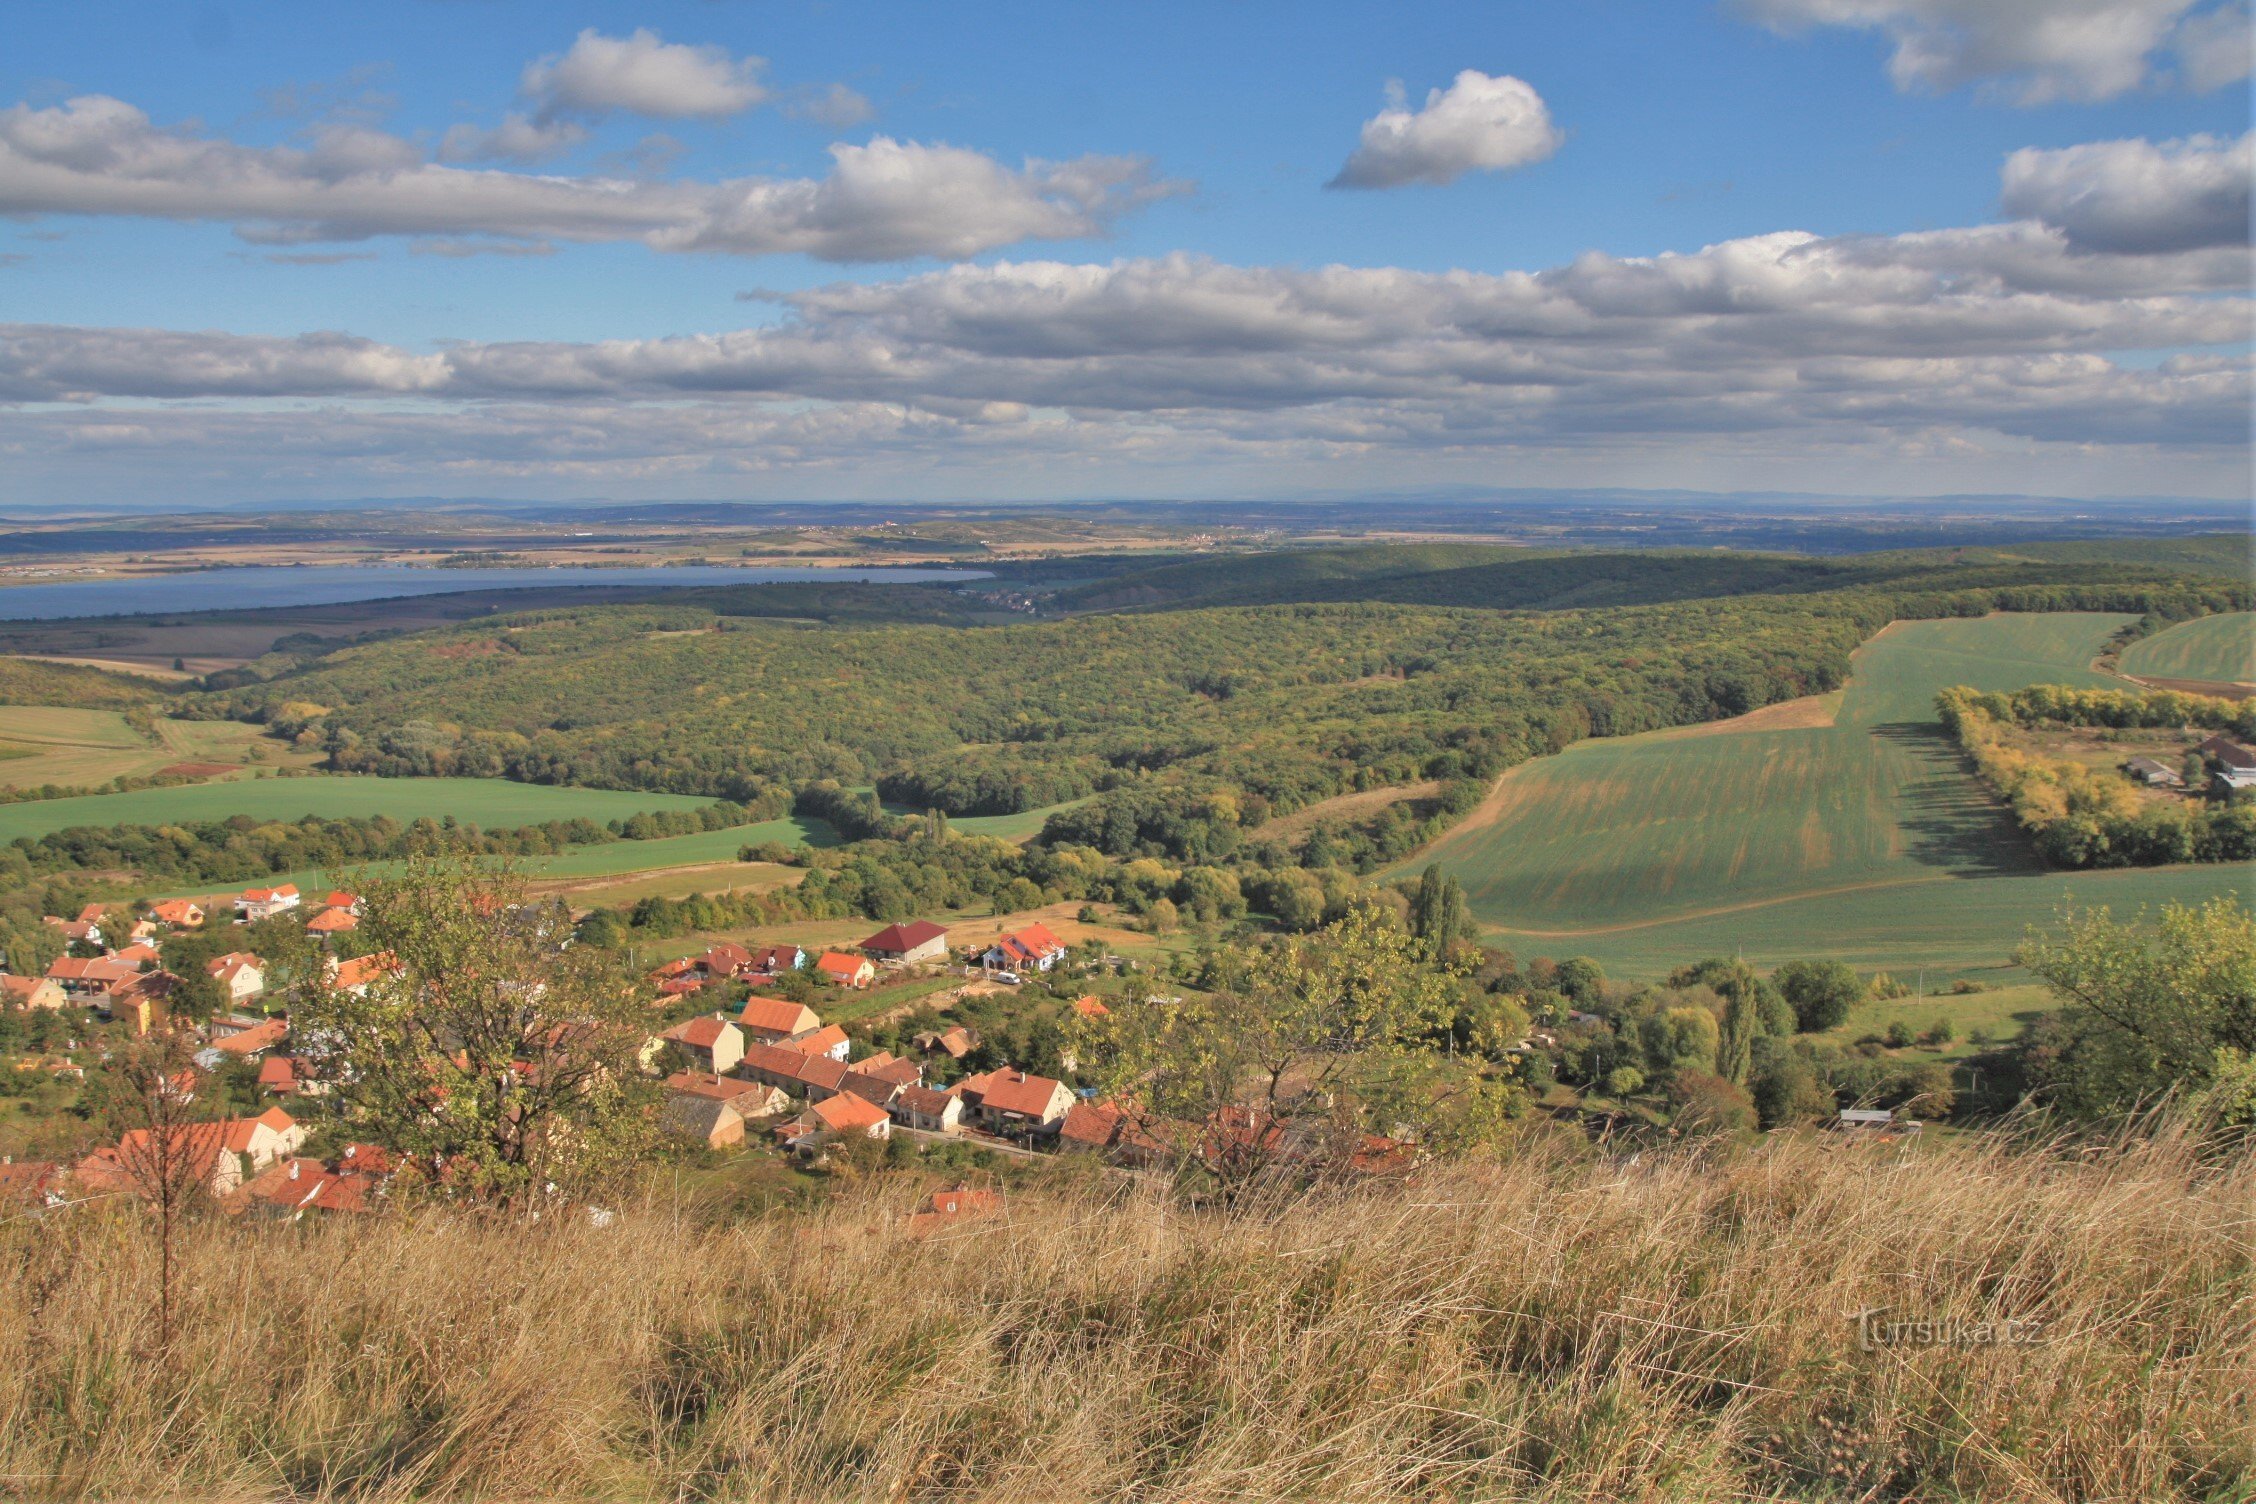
1211	132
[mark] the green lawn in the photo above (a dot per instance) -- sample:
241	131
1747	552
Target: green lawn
492	803
2221	649
79	748
1019	827
1865	838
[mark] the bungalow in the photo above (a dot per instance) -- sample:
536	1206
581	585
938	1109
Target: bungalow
751	1099
845	971
907	944
332	922
253	904
2154	775
1033	948
178	913
337	900
241	975
279	1076
31	992
771	1020
725	960
930	1111
709	1040
829	1040
711	1121
357	975
846	1114
250	1043
80	976
954	1042
774	958
1011	1101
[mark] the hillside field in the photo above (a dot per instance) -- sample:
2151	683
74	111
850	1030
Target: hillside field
1860	835
79	747
2219	649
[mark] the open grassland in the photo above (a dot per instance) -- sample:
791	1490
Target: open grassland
2214	649
79	748
1554	1327
491	803
1864	837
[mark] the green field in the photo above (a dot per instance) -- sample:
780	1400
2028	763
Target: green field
492	803
2221	649
1781	836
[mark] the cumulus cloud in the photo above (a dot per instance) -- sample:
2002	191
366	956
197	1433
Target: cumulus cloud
2037	51
1479	123
885	200
2136	196
642	74
517	139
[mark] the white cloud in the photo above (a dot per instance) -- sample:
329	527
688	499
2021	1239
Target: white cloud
643	75
881	201
2137	196
2034	51
1479	123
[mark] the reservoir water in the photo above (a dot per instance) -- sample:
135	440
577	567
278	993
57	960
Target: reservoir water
251	587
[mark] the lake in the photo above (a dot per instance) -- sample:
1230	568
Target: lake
254	586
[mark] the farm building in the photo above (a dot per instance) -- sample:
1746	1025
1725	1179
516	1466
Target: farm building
918	940
2235	764
2154	775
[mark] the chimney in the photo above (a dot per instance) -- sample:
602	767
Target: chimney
293	1169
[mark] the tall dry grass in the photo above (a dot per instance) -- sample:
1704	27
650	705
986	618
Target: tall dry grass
1556	1327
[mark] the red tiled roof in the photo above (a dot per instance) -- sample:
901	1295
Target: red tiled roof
177	911
823	1072
1090	1124
820	1042
775	1015
923	1101
1091	1007
844	968
278	1073
706	1084
264	1035
332	922
98	969
366	969
775	957
1015	1091
702	1032
845	1113
899	938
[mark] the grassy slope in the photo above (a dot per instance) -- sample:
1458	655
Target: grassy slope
1865	839
79	747
488	802
2220	648
1558	1327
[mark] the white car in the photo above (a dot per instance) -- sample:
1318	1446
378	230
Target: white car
1011	977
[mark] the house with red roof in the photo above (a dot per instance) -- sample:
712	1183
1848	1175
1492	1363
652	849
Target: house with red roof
845	971
239	973
178	913
771	1020
1033	948
82	976
725	960
1012	1101
709	1040
333	922
907	944
254	904
1091	1007
774	958
943	1209
278	1076
829	1040
31	992
931	1111
846	1115
250	1043
356	975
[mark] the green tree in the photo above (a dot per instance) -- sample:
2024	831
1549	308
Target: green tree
1438	912
1739	1027
2151	1006
1823	993
490	1051
1582	979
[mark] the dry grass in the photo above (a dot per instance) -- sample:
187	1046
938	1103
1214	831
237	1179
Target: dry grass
1555	1327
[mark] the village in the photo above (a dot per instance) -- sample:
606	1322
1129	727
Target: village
762	1071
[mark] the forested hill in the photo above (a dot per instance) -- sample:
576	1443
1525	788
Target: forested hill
1269	706
1504	578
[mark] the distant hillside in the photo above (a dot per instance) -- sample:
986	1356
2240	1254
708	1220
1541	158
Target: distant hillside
1517	579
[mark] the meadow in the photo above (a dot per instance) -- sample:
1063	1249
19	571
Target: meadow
1847	827
75	747
490	803
2218	649
1559	1325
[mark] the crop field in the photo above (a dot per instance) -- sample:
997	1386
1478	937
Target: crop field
2217	649
1860	835
44	744
492	803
